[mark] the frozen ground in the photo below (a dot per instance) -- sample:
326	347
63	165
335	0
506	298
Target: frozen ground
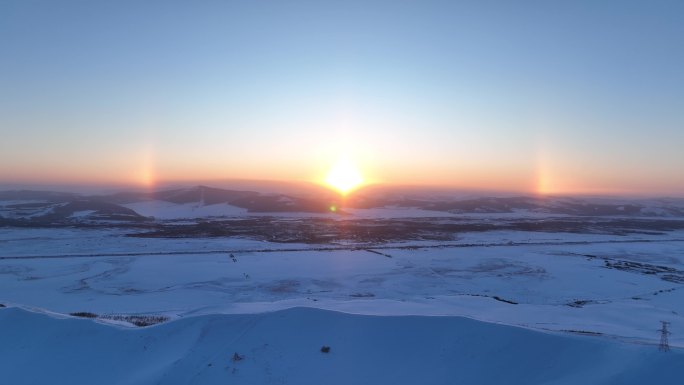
542	306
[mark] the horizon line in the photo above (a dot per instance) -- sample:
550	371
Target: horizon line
105	187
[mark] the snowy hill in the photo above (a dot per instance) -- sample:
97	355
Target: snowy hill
180	203
284	347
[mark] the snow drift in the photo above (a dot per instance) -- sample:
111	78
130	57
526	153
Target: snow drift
284	347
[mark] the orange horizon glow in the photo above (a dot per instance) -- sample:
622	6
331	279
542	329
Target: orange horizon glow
149	170
540	188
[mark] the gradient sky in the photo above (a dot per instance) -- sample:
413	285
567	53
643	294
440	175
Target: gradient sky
537	96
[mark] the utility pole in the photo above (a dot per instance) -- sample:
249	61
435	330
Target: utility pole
664	343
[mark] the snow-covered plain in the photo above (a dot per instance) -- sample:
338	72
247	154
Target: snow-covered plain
540	307
544	279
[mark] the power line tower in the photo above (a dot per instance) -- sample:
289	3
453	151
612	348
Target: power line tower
664	343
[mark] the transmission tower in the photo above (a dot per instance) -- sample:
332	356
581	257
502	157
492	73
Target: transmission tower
664	343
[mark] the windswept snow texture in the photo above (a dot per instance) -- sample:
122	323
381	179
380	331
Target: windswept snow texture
284	347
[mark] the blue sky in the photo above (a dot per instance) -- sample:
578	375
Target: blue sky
581	96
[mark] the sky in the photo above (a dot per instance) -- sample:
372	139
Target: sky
549	97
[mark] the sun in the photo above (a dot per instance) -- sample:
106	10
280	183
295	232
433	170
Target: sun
344	176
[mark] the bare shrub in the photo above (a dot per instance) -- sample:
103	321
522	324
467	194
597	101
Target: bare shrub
84	314
137	320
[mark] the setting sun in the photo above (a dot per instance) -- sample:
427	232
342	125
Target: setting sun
344	176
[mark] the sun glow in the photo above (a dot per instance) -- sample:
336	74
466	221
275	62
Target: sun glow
344	176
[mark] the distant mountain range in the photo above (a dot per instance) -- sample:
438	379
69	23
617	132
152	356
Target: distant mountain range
49	206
